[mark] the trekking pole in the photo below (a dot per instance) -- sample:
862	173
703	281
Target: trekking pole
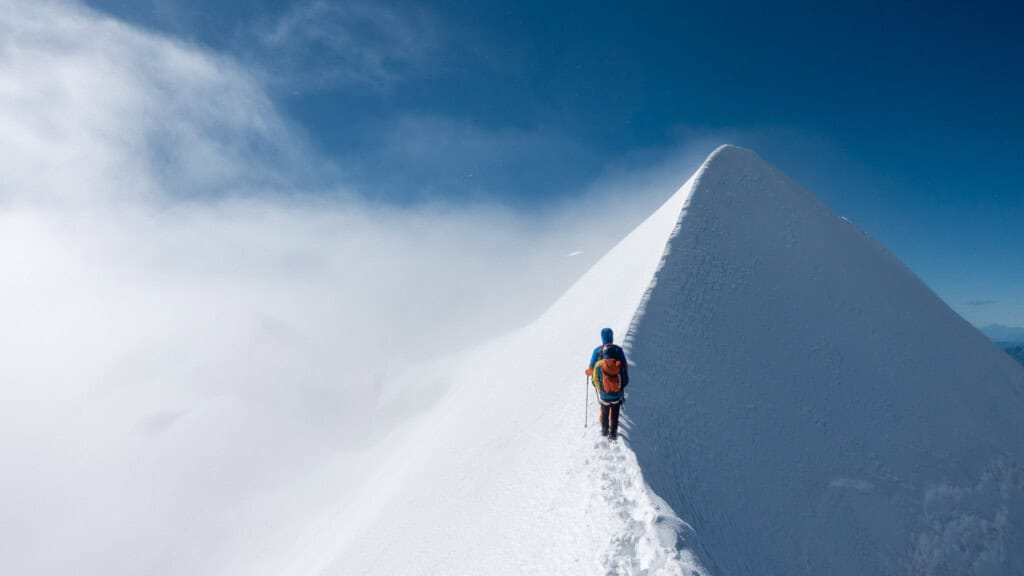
586	402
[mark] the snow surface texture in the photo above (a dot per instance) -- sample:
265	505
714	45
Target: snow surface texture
809	406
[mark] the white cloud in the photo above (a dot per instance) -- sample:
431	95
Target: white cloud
91	108
319	43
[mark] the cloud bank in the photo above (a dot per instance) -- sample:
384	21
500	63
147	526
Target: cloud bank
197	323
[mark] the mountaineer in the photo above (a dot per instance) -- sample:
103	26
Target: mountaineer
609	372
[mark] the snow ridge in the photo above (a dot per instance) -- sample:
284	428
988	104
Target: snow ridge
800	404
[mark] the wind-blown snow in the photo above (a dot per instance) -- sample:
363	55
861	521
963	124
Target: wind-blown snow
501	477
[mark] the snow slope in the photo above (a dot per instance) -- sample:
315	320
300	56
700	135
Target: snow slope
501	477
809	405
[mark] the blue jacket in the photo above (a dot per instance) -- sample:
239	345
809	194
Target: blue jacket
606	338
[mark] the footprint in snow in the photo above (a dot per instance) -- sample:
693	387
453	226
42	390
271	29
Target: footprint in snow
642	540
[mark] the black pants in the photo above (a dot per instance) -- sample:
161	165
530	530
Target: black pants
610	419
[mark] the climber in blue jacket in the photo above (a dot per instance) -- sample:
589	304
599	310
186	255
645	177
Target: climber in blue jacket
609	372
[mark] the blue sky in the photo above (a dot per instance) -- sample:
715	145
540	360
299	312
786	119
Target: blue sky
906	119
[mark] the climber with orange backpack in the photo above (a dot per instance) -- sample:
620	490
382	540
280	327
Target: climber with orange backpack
609	372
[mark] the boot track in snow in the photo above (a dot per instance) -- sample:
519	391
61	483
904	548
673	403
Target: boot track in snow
644	534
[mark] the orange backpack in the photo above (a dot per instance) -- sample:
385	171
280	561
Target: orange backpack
610	379
611	368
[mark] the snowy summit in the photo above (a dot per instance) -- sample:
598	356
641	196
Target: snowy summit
809	406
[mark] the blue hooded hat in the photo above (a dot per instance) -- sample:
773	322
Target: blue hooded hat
606	335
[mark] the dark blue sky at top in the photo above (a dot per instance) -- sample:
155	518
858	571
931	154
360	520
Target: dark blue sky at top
905	118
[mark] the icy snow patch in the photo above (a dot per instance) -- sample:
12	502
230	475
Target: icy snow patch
966	530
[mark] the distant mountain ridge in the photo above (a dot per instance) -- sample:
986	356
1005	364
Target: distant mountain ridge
1001	333
1013	349
1009	338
